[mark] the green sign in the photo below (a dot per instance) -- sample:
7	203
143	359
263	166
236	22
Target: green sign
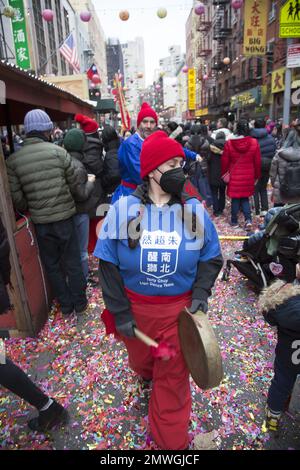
20	34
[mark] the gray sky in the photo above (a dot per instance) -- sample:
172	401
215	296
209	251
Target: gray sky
158	34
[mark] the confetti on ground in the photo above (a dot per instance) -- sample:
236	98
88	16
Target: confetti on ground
88	373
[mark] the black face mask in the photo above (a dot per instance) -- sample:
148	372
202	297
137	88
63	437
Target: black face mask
172	181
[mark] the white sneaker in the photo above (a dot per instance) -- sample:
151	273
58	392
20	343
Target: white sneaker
263	213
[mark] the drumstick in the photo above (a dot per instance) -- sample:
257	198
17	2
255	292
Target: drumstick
145	339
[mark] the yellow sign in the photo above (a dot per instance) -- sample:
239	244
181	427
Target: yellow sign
192	89
289	26
255	29
201	112
278	83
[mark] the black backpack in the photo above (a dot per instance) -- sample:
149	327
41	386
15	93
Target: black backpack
290	185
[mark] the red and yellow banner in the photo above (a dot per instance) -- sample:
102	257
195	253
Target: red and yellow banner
192	89
255	29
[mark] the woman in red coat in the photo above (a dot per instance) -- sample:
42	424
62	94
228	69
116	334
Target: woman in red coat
241	157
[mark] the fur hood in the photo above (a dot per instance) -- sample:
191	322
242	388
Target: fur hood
276	294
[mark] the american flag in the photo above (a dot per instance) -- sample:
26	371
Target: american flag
69	51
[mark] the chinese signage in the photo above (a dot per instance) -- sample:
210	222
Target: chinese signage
293	58
248	98
192	89
201	112
20	34
255	29
278	83
290	20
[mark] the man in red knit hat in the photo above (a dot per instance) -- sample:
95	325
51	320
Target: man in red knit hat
130	150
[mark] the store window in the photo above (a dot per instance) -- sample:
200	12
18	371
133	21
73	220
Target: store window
40	34
52	42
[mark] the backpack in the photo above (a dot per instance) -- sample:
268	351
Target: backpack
290	184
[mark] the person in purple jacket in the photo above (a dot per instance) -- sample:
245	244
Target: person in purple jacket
130	150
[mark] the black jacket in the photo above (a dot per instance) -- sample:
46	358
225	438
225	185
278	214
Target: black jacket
286	317
5	269
93	162
214	162
267	146
111	172
85	202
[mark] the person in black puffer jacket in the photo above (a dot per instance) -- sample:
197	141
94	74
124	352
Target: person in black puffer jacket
280	306
111	171
93	157
12	377
216	183
73	142
267	145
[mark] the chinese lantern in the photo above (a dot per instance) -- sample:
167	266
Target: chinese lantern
8	12
200	9
85	16
97	93
205	77
96	79
162	13
140	75
226	61
157	87
93	85
124	15
48	15
236	4
185	69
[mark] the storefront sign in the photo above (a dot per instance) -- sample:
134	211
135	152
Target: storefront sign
293	57
296	97
278	83
255	30
289	26
20	35
248	98
192	89
201	112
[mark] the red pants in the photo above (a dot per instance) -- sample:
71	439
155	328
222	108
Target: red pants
170	402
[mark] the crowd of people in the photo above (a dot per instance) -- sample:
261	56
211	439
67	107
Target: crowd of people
157	245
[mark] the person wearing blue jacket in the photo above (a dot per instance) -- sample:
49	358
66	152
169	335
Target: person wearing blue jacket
268	148
130	150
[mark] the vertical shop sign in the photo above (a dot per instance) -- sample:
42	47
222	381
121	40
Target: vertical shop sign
192	89
255	29
20	35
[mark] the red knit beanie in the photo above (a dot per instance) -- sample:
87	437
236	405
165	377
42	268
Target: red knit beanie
157	149
88	125
146	111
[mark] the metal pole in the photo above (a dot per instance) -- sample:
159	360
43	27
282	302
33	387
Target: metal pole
287	91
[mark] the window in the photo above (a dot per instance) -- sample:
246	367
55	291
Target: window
40	35
52	43
60	34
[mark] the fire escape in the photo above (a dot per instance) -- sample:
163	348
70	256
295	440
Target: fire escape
221	32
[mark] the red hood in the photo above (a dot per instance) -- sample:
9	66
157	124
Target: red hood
243	145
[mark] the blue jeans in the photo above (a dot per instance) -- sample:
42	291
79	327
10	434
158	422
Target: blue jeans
242	203
82	223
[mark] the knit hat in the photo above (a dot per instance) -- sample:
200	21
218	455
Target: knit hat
88	125
157	149
146	111
37	120
74	140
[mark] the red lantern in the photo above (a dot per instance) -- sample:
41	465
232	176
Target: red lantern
236	4
93	85
185	69
200	9
124	15
96	79
157	87
205	77
48	15
85	16
97	93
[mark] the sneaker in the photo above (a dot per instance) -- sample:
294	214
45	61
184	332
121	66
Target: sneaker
233	225
263	213
55	415
248	225
272	420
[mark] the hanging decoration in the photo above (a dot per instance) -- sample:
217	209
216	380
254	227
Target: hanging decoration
8	12
162	13
205	77
236	4
185	69
200	9
96	79
140	75
226	61
97	93
120	98
48	15
85	16
157	87
124	15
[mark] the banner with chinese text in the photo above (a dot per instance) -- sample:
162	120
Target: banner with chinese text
255	29
192	89
20	35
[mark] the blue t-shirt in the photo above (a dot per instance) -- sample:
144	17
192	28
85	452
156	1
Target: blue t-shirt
165	261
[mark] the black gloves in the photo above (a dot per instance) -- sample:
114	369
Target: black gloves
198	304
125	324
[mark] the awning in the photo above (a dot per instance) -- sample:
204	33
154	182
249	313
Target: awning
106	106
25	91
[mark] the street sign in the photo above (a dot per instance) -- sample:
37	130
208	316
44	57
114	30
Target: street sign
293	56
289	26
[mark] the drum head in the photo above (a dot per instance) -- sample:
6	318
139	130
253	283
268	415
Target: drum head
200	349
